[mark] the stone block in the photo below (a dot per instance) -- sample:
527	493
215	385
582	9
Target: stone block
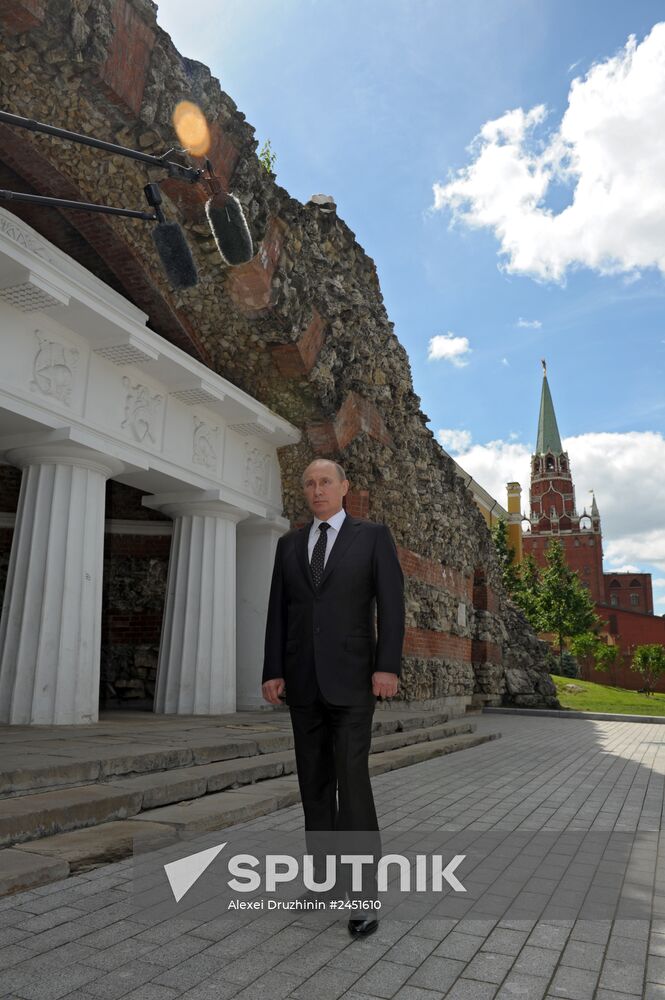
20	871
29	817
84	849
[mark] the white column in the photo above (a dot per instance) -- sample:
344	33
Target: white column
50	630
257	541
197	656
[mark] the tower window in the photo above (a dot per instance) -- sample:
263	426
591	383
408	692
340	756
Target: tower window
635	600
550	465
614	600
615	583
587	569
636	583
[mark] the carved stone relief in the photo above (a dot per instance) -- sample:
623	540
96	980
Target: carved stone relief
257	471
53	369
204	446
141	409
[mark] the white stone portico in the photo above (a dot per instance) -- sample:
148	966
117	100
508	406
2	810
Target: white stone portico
88	393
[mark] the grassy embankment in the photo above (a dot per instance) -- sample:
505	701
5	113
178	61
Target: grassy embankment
603	698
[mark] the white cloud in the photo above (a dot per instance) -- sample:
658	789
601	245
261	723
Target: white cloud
448	347
626	472
626	568
659	581
453	440
608	148
529	324
505	361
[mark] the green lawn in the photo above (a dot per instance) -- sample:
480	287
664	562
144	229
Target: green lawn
603	698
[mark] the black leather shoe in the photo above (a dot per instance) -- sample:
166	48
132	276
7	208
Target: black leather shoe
363	928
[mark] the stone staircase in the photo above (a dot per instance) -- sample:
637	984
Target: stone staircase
74	798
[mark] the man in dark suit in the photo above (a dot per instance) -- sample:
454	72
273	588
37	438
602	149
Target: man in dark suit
326	658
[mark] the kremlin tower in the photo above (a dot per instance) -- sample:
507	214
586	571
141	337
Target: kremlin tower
624	599
553	511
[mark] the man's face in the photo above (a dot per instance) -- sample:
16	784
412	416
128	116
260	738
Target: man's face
324	489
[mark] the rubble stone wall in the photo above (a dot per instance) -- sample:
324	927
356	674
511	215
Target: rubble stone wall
302	327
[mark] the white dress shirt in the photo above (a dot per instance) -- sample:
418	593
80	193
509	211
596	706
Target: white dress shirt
335	523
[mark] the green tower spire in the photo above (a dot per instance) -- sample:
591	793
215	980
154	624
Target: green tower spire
548	432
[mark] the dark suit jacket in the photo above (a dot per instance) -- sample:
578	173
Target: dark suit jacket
329	636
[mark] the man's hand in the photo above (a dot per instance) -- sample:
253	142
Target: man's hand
271	690
384	685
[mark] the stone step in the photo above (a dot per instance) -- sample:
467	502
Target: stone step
31	817
126	760
80	850
394	740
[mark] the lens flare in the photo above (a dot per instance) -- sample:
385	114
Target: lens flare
191	128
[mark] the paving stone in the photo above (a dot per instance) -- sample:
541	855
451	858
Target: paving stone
574	984
120	981
151	992
622	976
623	949
437	973
656	969
411	949
435	927
175	952
594	931
384	979
416	993
111	935
536	961
214	988
360	959
56	983
13	954
583	955
613	995
307	960
654	991
471	989
193	972
518	986
489	967
460	946
505	942
119	954
273	986
326	984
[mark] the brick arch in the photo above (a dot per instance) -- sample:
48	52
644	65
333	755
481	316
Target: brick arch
88	238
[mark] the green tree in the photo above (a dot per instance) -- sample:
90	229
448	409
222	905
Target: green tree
649	660
527	590
267	157
607	659
564	606
594	651
506	556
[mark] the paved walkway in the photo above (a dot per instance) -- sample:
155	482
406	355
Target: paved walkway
566	893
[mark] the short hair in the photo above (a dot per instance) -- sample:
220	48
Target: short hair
340	471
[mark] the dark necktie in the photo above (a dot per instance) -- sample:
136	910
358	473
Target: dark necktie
319	554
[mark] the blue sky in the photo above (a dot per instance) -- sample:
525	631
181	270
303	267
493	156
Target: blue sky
379	103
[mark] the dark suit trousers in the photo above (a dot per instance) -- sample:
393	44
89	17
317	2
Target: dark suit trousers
332	748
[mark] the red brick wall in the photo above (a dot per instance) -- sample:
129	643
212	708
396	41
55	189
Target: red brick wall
428	643
585	559
624	590
436	574
294	360
124	71
17	16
